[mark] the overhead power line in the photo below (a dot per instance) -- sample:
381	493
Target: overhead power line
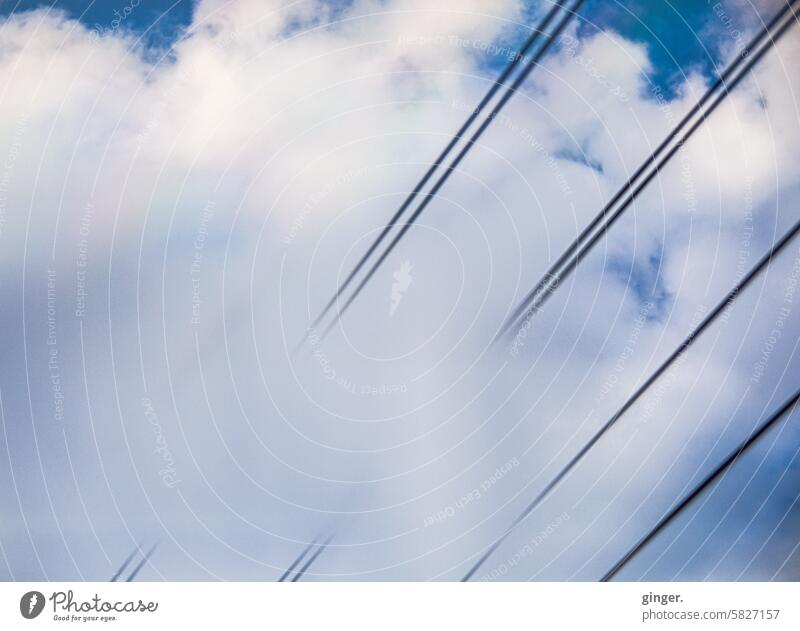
557	272
300	557
496	85
313	558
701	486
125	564
510	91
731	296
141	563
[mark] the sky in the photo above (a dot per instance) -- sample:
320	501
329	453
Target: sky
160	24
182	190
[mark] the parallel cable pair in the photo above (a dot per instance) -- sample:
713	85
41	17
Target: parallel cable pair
320	548
729	298
136	551
530	64
297	576
649	169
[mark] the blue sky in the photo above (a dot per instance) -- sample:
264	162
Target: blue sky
160	21
669	30
214	197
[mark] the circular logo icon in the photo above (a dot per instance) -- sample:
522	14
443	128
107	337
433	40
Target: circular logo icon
31	604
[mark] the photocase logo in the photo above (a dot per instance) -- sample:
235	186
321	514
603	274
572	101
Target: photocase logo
31	604
403	278
66	608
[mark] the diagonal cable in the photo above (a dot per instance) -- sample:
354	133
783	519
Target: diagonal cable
732	295
299	558
510	91
313	558
496	85
125	564
697	490
141	563
553	277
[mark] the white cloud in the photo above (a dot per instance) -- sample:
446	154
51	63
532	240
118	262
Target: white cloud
287	142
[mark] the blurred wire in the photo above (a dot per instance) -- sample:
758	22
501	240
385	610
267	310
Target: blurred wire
662	523
301	556
313	558
548	283
498	83
510	91
141	564
125	563
732	295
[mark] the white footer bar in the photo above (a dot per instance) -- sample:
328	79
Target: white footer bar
400	606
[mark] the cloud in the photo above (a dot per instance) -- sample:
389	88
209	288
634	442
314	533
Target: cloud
206	201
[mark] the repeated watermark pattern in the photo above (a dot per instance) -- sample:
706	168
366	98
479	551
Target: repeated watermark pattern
776	332
347	383
549	284
53	361
473	495
627	351
528	548
82	261
196	266
669	379
527	136
316	198
116	22
571	46
9	164
168	474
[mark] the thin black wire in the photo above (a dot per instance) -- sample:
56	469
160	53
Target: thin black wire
712	315
550	273
141	564
510	91
498	83
792	401
302	555
312	559
125	564
552	279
